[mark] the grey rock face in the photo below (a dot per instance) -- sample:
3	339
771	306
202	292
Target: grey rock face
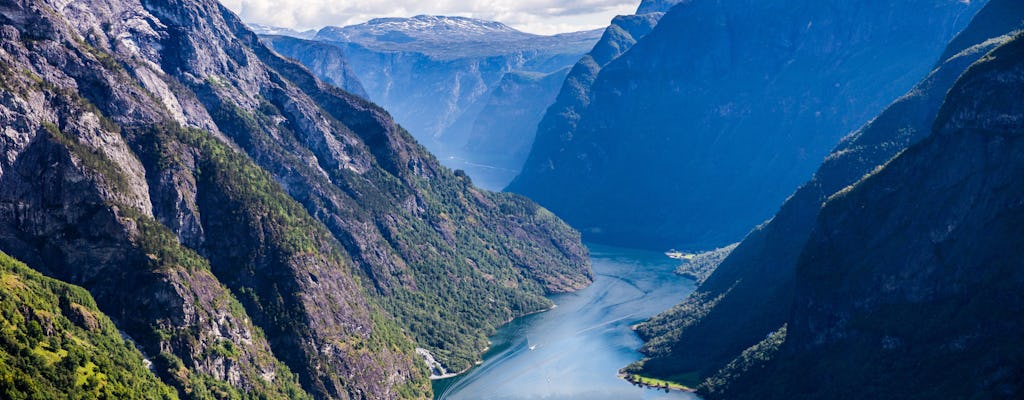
328	62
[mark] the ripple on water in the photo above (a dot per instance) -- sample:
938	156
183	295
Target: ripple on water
581	344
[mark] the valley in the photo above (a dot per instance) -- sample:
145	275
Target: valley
698	199
580	344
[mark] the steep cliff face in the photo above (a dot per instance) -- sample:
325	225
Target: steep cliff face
561	117
751	291
437	75
243	221
698	132
328	62
909	286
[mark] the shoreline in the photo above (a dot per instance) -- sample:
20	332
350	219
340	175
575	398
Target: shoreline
477	363
640	381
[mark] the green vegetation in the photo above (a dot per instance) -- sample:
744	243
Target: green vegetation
755	357
700	266
654	383
198	385
324	270
94	159
459	262
167	256
55	343
258	237
470	276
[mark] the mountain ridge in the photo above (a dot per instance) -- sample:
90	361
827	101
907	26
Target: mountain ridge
926	284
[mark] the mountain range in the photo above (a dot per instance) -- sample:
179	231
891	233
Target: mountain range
450	80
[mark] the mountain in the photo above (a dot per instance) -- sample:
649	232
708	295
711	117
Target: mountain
437	75
909	286
564	113
328	62
257	232
706	124
752	290
56	343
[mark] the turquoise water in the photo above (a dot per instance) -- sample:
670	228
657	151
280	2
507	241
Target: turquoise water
581	344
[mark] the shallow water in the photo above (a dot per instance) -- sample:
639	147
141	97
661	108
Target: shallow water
581	344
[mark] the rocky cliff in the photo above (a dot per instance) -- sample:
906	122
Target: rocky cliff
702	128
328	62
259	233
561	117
752	291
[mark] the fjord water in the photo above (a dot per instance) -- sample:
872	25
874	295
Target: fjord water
582	343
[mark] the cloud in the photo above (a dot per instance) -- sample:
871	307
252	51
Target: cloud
535	16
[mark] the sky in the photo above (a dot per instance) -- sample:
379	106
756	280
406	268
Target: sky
535	16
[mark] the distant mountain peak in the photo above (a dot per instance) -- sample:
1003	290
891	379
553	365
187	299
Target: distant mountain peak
438	23
447	37
388	32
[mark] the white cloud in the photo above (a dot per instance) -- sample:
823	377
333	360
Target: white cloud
535	16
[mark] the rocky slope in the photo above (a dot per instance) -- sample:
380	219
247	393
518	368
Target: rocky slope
909	286
258	232
56	343
438	75
752	290
702	128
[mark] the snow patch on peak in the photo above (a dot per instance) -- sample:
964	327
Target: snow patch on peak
424	28
434	23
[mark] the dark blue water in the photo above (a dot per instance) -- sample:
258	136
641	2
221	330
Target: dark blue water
581	344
